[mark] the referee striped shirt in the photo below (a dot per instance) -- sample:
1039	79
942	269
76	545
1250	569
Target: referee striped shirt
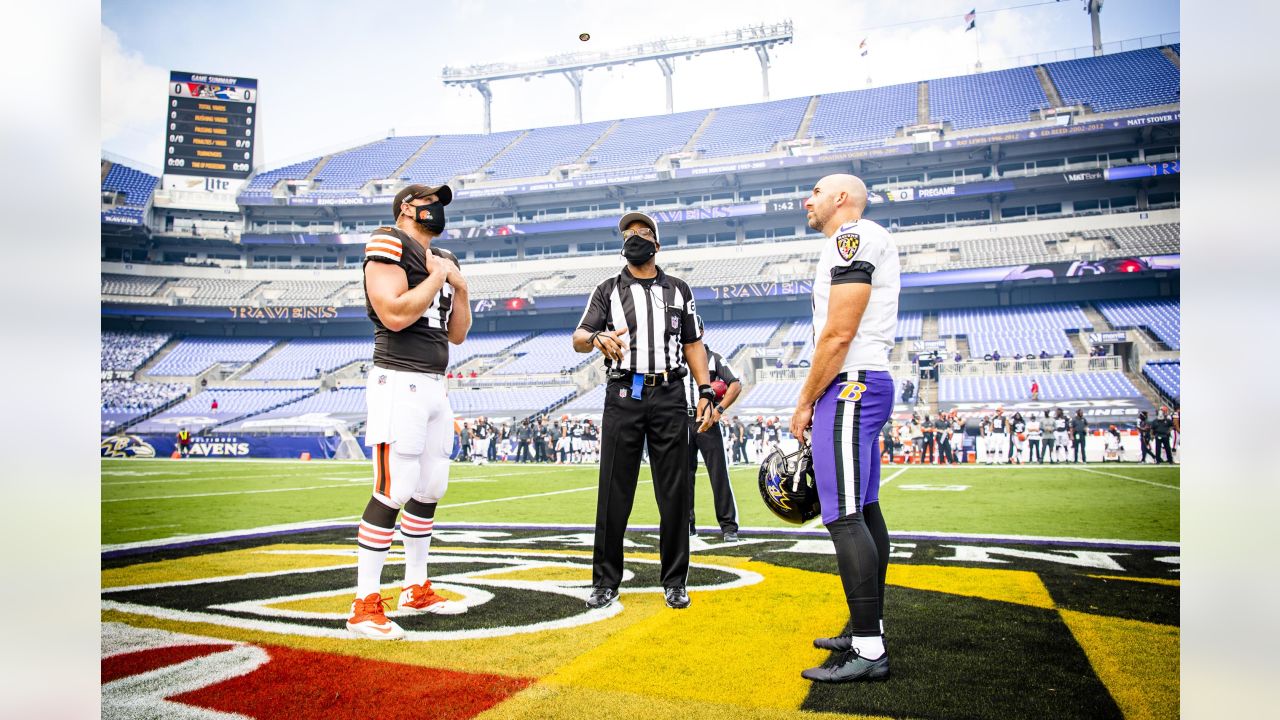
658	313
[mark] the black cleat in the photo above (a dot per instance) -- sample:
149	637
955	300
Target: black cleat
677	597
601	597
850	667
693	529
730	536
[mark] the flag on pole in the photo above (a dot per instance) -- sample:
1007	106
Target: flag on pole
863	47
971	18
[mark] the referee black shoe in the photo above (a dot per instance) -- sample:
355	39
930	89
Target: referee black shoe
601	597
730	536
849	667
677	597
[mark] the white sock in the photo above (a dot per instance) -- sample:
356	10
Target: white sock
416	550
369	571
871	648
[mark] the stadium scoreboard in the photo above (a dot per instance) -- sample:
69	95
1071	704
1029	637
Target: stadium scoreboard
210	127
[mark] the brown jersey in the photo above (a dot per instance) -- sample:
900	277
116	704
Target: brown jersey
424	345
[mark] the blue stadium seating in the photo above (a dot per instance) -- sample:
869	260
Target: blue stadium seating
991	98
124	400
195	413
591	401
124	351
771	395
639	141
1167	375
1161	317
1028	328
1138	78
749	129
1054	387
548	352
727	338
481	344
351	169
503	402
136	185
545	148
346	405
860	115
192	356
263	182
453	155
298	359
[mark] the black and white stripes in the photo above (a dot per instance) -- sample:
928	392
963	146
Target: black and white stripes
658	313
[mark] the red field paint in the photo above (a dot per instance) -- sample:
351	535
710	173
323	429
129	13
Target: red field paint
301	683
141	661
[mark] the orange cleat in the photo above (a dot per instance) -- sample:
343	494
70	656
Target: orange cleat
421	598
369	619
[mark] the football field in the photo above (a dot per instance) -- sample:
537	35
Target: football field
150	499
1013	592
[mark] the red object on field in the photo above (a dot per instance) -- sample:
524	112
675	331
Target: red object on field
719	388
305	456
303	683
177	455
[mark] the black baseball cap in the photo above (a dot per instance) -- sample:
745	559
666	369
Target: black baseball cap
413	192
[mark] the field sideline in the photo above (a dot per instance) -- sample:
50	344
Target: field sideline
164	498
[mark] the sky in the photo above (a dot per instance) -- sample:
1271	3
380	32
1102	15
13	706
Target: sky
333	74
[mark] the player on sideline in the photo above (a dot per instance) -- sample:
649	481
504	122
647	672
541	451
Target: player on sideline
845	401
417	298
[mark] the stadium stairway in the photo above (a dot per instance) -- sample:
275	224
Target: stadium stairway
1100	323
922	103
962	346
408	163
1078	344
106	168
271	352
263	411
1145	386
807	120
929	327
157	356
692	145
1050	90
1173	56
582	159
505	149
124	426
318	168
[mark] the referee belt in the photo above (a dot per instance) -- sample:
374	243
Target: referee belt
650	379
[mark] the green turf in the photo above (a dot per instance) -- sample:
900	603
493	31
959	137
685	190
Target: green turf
143	499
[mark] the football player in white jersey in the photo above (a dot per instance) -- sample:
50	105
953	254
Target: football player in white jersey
843	405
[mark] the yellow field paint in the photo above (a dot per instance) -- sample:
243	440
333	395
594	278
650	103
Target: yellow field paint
1012	586
558	574
224	564
1137	661
1151	581
724	646
557	702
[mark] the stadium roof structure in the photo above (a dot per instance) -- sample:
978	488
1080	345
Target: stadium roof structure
663	51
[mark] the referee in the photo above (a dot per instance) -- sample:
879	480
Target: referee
711	444
645	323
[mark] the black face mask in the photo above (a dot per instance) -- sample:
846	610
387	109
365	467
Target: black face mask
430	217
638	250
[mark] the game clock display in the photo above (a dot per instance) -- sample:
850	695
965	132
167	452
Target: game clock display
210	125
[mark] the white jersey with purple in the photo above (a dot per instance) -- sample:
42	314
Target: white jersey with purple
851	413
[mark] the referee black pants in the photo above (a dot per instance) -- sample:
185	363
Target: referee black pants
711	445
658	417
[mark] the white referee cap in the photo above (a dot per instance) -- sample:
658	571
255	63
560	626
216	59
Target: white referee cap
634	216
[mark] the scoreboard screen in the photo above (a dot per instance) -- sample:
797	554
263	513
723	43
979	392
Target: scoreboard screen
210	125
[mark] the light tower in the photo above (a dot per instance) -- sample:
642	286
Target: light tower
760	38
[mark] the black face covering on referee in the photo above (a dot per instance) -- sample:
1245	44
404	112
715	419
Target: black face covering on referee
430	217
637	250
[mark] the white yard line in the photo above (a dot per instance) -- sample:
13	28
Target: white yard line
1126	477
535	495
234	492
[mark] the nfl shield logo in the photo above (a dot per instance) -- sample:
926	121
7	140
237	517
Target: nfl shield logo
675	322
622	392
382	379
413	388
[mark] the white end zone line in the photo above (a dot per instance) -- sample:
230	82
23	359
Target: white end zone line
1130	479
